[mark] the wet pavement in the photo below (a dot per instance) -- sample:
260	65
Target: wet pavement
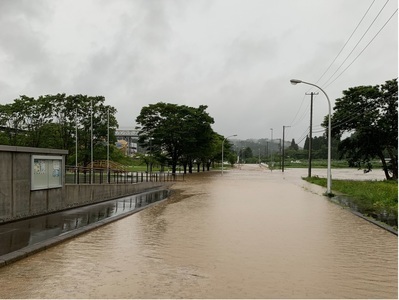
31	234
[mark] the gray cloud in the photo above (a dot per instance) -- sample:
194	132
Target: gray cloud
235	56
21	40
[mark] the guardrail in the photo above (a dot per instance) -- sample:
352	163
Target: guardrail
84	175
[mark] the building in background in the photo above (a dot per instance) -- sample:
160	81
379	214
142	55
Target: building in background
127	141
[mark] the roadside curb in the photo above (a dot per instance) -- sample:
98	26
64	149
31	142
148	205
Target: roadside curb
316	189
360	215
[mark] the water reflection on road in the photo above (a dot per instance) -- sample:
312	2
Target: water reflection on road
20	234
251	233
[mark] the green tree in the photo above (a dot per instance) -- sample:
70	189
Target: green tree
370	113
12	121
200	133
248	153
82	109
178	131
51	121
294	146
216	150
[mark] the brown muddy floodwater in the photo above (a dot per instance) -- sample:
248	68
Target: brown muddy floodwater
251	233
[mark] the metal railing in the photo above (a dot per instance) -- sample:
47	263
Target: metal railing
84	175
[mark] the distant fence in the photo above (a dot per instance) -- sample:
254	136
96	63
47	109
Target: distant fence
84	175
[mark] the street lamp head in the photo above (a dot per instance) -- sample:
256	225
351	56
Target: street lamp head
295	81
229	137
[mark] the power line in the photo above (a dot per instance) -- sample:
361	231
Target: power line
346	42
350	116
364	48
304	114
303	136
353	49
299	109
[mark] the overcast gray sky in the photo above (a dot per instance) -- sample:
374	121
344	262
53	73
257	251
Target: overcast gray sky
236	56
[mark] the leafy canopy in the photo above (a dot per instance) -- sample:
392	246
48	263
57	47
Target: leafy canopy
370	114
177	131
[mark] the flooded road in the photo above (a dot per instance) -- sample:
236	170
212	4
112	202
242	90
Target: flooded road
251	233
21	234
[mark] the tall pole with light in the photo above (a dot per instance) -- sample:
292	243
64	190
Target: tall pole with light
223	148
76	146
76	139
108	173
284	127
91	143
271	145
296	81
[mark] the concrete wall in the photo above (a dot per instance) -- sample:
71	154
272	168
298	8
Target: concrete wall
17	200
77	195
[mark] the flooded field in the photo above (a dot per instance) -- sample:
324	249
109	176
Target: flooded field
250	233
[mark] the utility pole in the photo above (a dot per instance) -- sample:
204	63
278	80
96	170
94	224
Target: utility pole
76	146
91	143
76	140
108	173
280	153
310	133
271	145
282	167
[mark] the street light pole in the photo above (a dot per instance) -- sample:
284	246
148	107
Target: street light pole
296	81
76	140
223	148
271	145
76	146
284	127
91	143
108	173
271	149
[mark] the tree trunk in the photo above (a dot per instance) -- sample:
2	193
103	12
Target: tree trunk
384	165
190	167
174	164
394	162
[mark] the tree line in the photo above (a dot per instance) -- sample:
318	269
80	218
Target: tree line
59	122
370	115
182	135
265	150
172	134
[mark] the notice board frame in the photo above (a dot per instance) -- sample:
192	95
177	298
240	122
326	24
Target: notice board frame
46	172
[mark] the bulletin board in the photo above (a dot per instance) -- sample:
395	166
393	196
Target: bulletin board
46	172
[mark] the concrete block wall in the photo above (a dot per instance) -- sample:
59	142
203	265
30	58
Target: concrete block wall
18	201
5	184
16	198
83	194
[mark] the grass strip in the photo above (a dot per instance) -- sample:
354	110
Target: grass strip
378	199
